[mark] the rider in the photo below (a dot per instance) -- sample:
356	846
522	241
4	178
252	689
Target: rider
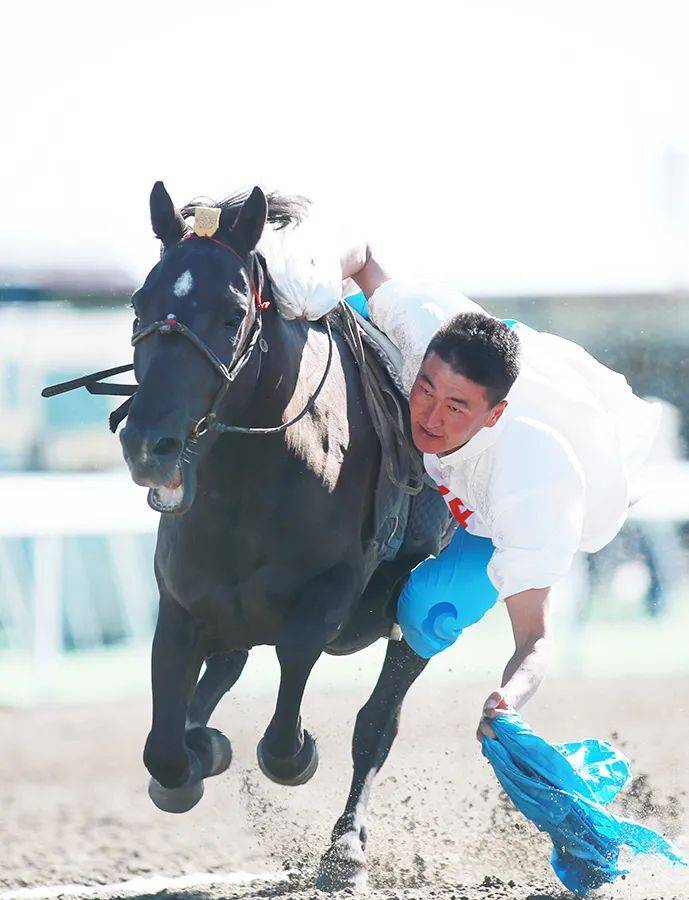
532	442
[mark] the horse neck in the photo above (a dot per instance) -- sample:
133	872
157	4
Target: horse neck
278	376
264	389
270	379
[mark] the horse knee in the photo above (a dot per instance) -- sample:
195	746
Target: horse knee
378	716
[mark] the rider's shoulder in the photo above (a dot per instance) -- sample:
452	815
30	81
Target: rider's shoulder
529	440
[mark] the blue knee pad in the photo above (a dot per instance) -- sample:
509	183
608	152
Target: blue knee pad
445	594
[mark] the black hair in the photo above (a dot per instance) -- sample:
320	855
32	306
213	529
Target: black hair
283	209
482	349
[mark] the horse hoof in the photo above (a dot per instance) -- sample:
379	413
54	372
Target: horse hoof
343	866
289	770
175	800
212	748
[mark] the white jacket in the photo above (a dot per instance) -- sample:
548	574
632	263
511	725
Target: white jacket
554	475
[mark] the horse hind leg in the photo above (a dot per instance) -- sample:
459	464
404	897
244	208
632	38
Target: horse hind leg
344	863
210	745
221	673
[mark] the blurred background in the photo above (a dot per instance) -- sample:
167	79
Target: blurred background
536	154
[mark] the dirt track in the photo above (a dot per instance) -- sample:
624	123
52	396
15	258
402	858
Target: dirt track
75	809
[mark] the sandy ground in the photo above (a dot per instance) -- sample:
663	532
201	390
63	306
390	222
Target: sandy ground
74	806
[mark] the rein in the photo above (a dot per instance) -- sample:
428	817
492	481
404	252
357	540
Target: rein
228	372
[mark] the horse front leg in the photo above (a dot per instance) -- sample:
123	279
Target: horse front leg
287	753
178	758
344	863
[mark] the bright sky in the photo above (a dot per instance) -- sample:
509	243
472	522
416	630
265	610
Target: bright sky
531	146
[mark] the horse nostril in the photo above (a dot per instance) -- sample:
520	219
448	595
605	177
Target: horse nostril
167	447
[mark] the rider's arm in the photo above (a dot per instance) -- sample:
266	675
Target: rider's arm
538	503
359	264
530	616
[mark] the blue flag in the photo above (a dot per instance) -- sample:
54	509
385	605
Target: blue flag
562	789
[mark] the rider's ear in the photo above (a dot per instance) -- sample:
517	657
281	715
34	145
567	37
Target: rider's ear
248	228
168	224
496	412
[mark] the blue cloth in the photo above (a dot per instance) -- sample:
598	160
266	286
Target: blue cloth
562	789
446	594
358	302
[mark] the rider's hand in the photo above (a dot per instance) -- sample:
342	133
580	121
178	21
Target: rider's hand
495	705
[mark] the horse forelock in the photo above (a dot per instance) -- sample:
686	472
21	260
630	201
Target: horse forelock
283	209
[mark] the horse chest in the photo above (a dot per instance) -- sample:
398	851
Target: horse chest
240	589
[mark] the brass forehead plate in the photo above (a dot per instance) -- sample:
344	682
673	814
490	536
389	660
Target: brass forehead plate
206	220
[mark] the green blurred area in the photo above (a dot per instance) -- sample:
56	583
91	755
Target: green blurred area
644	336
613	643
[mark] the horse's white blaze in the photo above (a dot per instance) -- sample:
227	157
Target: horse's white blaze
140	885
184	284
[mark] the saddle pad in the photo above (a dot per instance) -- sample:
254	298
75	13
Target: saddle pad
401	470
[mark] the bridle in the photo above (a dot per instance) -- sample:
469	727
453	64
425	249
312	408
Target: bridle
246	341
245	346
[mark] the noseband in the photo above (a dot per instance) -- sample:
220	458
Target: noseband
228	372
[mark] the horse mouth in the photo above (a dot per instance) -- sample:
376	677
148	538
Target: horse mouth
176	495
168	497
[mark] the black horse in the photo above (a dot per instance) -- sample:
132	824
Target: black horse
265	538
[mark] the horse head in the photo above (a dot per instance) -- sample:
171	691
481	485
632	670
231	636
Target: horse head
195	316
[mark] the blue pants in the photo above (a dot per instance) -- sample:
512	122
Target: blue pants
358	302
446	594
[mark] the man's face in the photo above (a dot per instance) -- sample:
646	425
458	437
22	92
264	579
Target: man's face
448	409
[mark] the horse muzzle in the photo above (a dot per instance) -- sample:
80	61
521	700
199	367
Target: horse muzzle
159	463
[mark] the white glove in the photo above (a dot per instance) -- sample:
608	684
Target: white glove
304	268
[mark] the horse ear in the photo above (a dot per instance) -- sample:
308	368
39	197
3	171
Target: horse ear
248	227
168	224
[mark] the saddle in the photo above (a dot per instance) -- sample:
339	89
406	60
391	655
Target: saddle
407	504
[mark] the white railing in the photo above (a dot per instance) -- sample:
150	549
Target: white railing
47	509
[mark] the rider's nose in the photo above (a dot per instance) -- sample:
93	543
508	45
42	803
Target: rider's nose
434	419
